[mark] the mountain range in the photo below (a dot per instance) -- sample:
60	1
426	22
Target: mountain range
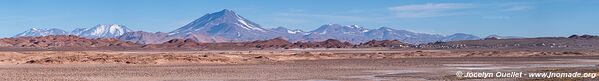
36	32
98	31
228	26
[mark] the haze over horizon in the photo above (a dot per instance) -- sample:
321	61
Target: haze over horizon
482	18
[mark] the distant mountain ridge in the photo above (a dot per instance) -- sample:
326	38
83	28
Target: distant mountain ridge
102	31
98	31
228	26
503	37
36	32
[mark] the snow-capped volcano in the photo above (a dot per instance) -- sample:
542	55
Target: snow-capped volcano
35	32
102	31
226	24
213	22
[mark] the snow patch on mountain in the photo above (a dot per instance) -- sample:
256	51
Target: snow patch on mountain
294	31
102	31
35	32
248	26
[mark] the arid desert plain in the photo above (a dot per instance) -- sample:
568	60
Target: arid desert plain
286	65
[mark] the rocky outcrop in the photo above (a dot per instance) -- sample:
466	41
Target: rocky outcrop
330	43
491	38
76	42
583	36
384	43
175	43
64	41
272	43
4	44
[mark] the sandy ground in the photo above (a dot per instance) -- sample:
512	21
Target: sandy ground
278	65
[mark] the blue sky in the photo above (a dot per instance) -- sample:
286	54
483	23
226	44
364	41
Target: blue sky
530	18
